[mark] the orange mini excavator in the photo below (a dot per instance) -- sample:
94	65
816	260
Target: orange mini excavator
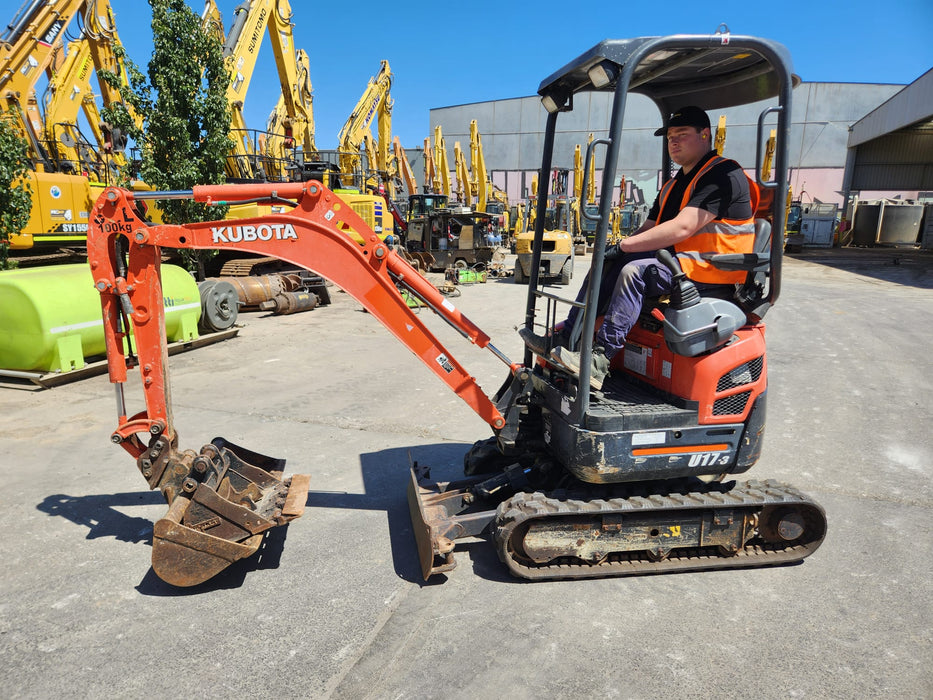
574	482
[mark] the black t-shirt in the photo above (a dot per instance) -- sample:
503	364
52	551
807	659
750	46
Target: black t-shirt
722	191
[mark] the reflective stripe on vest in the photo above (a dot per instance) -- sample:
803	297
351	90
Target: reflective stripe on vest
720	236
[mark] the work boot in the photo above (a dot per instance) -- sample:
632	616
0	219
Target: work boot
571	362
540	344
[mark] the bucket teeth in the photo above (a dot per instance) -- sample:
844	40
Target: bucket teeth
241	495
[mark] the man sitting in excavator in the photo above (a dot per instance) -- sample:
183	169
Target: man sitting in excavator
707	208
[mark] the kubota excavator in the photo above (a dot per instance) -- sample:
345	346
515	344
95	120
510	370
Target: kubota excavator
575	482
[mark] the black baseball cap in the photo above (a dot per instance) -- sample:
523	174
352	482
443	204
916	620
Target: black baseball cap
686	116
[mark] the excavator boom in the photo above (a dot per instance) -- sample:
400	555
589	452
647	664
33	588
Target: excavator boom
464	187
70	91
374	104
404	167
210	522
27	50
295	102
442	169
67	165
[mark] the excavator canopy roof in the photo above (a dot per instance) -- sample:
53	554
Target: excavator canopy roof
710	71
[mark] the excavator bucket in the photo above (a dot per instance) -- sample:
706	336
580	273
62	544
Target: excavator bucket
230	496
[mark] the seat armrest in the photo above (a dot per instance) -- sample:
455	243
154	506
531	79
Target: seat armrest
749	262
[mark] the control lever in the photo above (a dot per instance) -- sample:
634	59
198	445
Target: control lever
684	293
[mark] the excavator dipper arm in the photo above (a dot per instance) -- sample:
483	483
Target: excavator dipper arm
223	498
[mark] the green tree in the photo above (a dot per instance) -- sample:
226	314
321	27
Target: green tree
186	119
15	192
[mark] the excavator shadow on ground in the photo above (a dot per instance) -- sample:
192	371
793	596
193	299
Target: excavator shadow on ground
385	476
103	515
385	480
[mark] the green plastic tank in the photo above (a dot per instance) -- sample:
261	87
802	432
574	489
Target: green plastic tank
50	317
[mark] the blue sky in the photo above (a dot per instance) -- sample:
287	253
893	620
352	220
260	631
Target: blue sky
444	54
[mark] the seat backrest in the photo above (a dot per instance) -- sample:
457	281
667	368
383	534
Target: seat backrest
749	294
763	236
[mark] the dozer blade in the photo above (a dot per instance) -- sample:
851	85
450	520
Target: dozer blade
223	518
441	512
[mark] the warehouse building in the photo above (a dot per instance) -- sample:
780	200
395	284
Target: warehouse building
512	136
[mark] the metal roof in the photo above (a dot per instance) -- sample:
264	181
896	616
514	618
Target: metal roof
911	108
891	147
710	71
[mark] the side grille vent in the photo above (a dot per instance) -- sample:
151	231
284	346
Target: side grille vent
731	405
747	373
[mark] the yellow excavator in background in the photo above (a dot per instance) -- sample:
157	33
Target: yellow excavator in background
442	169
527	214
291	123
287	152
281	153
719	142
794	239
67	167
375	104
27	49
212	21
479	181
464	184
556	259
403	167
98	41
430	172
584	229
489	198
399	177
69	93
241	51
383	144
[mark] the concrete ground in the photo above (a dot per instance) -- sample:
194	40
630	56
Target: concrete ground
335	607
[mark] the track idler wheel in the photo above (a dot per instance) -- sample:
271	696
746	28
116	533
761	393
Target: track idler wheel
784	524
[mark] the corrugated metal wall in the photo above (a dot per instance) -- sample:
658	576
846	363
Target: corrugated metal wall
513	130
898	161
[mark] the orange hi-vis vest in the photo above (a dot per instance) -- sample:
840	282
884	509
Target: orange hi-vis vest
718	236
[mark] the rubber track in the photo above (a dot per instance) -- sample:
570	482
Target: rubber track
524	507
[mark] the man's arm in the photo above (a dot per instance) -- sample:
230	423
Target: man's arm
680	228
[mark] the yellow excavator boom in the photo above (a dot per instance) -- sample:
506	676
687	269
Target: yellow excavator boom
68	90
442	181
373	103
464	188
27	49
720	141
480	181
294	68
430	172
212	21
404	167
769	156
